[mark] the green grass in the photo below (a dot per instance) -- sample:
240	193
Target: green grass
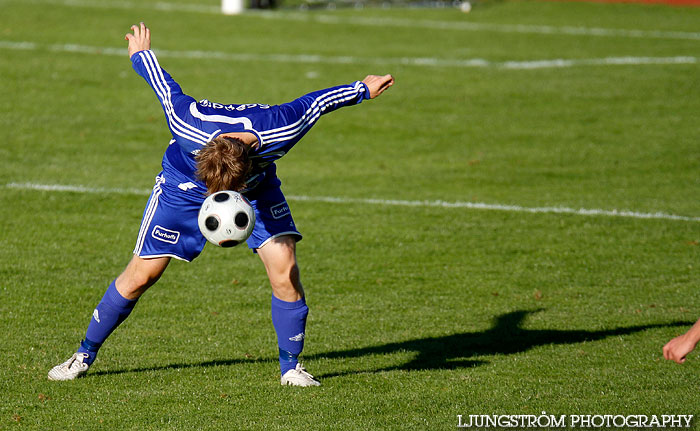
418	314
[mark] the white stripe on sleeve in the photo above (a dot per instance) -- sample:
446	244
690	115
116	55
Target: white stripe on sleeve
162	90
312	114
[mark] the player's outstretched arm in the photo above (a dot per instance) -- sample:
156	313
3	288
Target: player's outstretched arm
678	348
377	84
175	104
140	40
290	121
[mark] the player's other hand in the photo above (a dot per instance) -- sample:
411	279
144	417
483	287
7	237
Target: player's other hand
677	349
140	40
377	84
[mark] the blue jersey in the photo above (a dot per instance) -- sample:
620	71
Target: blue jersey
277	127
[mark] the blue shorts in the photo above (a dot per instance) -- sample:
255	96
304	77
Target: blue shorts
169	224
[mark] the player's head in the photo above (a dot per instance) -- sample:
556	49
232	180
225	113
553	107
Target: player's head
223	164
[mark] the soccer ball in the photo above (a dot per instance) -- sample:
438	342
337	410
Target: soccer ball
226	218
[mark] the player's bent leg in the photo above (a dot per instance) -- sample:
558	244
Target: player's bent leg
289	309
116	305
140	274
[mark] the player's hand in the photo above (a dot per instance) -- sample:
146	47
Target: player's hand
377	84
140	40
677	349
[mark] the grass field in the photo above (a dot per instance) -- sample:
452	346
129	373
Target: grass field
419	313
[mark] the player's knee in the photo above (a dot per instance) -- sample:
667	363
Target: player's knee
285	281
285	277
143	279
139	275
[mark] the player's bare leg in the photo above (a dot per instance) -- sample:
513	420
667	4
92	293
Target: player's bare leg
280	260
289	308
115	306
139	275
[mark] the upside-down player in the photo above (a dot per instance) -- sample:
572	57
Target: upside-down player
219	147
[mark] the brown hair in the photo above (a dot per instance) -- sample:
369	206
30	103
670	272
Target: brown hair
223	164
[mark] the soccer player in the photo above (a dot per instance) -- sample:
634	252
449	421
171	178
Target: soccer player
219	147
678	348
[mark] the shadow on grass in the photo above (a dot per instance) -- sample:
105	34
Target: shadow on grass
504	338
181	366
446	352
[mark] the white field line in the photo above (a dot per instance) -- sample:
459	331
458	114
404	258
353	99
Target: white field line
486	27
379	22
320	59
386	202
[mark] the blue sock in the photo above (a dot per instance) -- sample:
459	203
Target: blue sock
109	313
289	320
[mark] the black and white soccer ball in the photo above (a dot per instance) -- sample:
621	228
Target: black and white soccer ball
226	218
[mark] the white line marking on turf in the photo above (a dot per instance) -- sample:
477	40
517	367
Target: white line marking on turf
104	4
404	61
77	189
486	27
381	22
607	61
386	202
